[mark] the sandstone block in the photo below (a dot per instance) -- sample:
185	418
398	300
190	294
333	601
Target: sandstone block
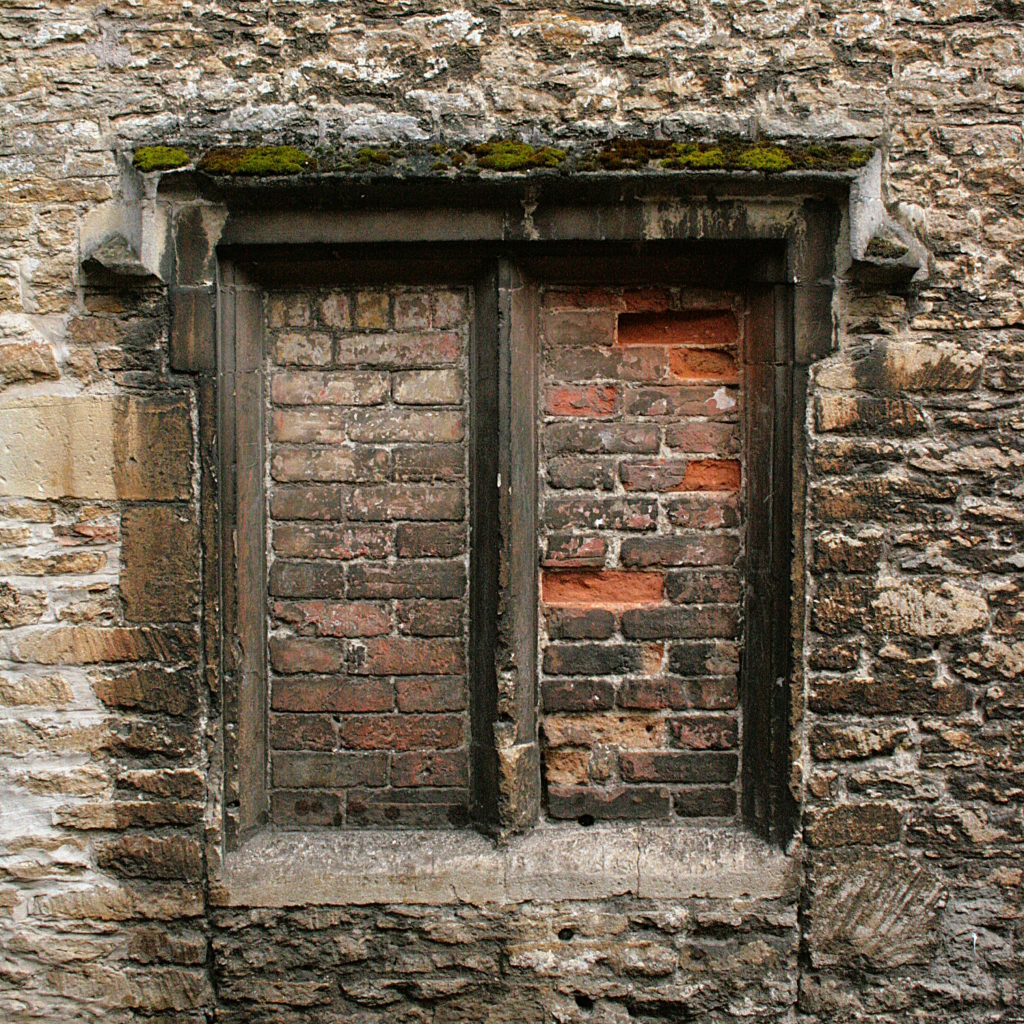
159	564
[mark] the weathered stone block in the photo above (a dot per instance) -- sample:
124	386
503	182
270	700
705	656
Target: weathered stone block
159	564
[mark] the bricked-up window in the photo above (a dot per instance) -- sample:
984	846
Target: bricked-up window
642	538
498	546
368	524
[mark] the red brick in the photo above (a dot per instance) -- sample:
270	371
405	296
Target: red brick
660	475
703	513
705	732
313	540
679	694
334	618
429	540
372	310
646	300
402	351
578	327
449	308
593	400
577	695
402	656
601	513
646	766
423	462
312	388
708	364
601	439
701	437
301	732
591	659
306	807
312	425
715	403
316	501
642	363
582	474
326	465
705	658
692	549
609	589
406	501
391	424
332	693
430	618
573	624
323	771
307	579
431	693
440	580
422	807
443	768
412	311
704	802
289	656
569	549
616	803
583	298
684	623
702	328
335	310
712	475
306	349
702	587
400	732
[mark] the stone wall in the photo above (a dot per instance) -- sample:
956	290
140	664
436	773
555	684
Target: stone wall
907	746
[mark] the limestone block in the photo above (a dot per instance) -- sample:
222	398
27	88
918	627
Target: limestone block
96	447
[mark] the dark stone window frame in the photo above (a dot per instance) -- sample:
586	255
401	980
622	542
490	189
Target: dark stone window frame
774	239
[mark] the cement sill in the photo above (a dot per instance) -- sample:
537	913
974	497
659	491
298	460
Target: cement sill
550	863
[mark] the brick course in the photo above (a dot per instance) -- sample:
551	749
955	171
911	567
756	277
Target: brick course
608	581
368	507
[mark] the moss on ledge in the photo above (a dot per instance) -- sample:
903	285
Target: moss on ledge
728	155
513	156
256	160
159	158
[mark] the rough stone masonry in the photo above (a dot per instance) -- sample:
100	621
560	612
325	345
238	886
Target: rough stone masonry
899	899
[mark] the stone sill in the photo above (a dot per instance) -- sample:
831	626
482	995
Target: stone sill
552	862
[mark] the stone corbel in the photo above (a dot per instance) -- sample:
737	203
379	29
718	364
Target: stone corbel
883	252
129	238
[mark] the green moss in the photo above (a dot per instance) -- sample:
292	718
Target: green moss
159	158
256	160
367	156
885	249
764	158
726	154
440	165
691	156
511	155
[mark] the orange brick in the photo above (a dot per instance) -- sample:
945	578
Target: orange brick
584	400
601	588
702	364
712	475
713	328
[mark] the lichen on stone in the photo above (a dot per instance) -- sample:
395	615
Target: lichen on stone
885	249
512	155
256	160
159	158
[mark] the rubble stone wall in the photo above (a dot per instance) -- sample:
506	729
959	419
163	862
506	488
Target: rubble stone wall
908	731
